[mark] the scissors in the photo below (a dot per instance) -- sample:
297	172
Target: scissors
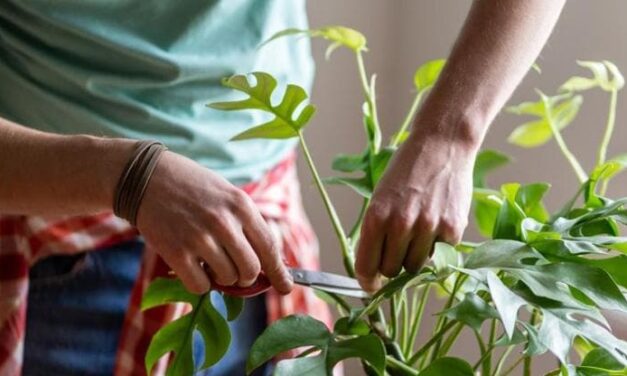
329	282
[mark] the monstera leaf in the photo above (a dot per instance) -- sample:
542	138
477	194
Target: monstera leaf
299	331
285	124
177	336
562	292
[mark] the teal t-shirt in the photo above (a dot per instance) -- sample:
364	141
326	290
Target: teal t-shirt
145	69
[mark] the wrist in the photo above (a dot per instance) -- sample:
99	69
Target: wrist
110	155
462	130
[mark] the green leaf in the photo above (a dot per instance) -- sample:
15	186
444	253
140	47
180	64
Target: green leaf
379	163
285	124
445	257
487	204
507	303
472	311
529	197
368	347
448	366
510	216
307	366
177	336
338	35
360	185
350	162
427	74
280	337
346	326
601	358
234	306
487	161
601	72
538	132
298	331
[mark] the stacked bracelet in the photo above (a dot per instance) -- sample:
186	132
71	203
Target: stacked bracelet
134	179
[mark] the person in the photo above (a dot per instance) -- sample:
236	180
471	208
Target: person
81	82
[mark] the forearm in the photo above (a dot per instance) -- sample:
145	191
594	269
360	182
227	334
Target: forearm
43	173
499	42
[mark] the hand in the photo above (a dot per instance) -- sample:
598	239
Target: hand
190	214
423	197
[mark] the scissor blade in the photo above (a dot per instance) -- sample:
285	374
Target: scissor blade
330	282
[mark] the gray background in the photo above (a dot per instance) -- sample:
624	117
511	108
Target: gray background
404	33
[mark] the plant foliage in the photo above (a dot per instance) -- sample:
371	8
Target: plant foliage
540	282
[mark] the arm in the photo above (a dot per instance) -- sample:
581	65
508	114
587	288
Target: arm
425	194
42	173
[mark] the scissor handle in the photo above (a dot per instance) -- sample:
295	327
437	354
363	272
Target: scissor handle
261	285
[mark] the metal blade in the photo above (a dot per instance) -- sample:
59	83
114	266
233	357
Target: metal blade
330	282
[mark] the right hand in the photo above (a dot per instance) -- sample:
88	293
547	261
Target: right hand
190	214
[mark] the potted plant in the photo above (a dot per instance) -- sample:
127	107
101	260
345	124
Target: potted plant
539	283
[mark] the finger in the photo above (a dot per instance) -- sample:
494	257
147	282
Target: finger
450	232
189	271
267	248
241	253
221	267
369	255
420	247
395	250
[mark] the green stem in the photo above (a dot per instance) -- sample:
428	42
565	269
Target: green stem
393	317
487	362
400	367
443	319
405	321
370	100
513	366
528	359
430	342
417	319
347	255
450	340
609	129
579	171
502	359
353	235
408	118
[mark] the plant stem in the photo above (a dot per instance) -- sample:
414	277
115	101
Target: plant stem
402	368
528	359
370	101
393	317
450	340
417	319
443	319
404	320
501	362
609	128
430	342
513	366
353	235
487	363
347	255
408	118
579	171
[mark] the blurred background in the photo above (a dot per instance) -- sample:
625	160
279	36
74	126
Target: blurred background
402	34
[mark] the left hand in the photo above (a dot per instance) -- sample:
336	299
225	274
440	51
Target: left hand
423	197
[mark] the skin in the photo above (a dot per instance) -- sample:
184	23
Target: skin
222	225
425	194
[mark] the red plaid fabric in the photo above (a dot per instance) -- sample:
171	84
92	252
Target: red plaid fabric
24	240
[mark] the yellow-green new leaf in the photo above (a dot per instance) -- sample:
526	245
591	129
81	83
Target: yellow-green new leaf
538	132
286	123
338	35
427	74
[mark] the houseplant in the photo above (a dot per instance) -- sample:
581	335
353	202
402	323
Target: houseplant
539	283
